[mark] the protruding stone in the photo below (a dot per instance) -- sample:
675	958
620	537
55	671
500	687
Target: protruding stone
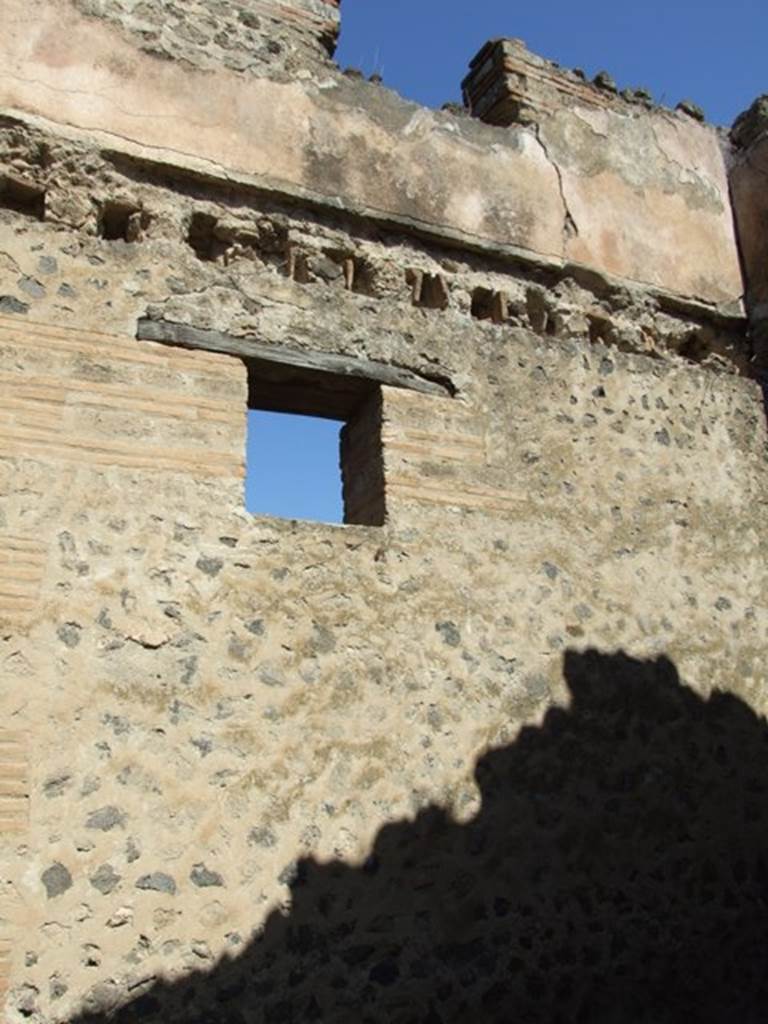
457	109
92	955
10	304
57	987
105	819
449	632
604	80
157	881
56	880
69	634
691	109
25	1000
751	124
210	566
121	917
56	784
203	878
105	879
262	835
103	997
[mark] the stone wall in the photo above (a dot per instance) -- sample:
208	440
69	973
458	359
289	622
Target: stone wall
254	37
500	755
560	195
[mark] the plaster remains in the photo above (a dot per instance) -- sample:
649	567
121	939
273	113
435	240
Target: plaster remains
493	750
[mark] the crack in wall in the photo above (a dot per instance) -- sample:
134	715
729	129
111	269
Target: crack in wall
570	227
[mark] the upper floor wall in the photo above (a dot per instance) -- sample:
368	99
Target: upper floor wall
254	37
635	194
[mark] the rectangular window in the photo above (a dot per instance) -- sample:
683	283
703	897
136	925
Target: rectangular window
314	445
297	383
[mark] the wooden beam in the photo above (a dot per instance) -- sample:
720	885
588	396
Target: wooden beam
257	353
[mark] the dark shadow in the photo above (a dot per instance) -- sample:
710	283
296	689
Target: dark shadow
616	874
760	374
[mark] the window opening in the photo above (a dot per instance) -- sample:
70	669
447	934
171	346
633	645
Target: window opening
330	386
293	466
314	447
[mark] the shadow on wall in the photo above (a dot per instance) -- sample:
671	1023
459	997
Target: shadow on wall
617	872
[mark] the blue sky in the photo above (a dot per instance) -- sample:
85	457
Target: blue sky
711	53
293	467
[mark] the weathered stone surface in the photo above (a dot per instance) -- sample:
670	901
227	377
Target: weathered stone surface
105	819
105	879
750	125
56	880
691	109
10	304
261	37
437	174
203	878
158	881
255	273
472	762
